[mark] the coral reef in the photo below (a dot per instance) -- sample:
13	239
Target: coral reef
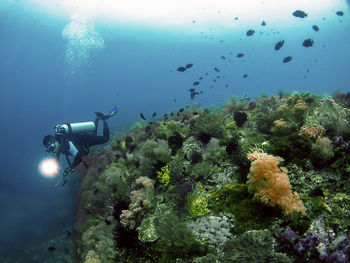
263	180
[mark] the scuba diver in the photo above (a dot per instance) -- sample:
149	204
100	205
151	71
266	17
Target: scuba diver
74	139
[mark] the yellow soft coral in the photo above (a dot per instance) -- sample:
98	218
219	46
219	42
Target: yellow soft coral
271	185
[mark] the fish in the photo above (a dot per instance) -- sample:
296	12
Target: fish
189	65
200	78
181	69
195	83
279	44
193	94
287	59
217	70
223	57
154	114
340	13
316	28
240	55
250	32
308	42
181	110
191	90
263	23
245	75
142	116
299	13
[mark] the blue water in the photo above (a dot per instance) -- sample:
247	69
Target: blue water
135	69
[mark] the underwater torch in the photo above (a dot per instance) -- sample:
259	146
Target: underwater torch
49	167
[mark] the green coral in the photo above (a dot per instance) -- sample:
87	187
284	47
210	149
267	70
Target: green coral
253	246
248	214
164	175
197	203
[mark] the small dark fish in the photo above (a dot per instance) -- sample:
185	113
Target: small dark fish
245	75
279	44
172	113
340	13
181	69
287	59
240	55
193	95
223	57
181	110
299	13
174	100
217	70
236	18
200	78
195	83
214	80
217	77
51	248
263	23
154	114
142	116
189	65
308	43
250	32
165	115
316	28
191	90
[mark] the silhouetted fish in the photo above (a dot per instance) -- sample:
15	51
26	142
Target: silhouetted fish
223	57
250	32
279	44
142	116
217	70
189	65
191	90
316	28
287	59
195	83
245	75
263	23
299	13
154	114
181	69
240	55
340	13
308	42
181	110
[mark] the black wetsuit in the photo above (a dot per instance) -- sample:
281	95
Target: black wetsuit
77	145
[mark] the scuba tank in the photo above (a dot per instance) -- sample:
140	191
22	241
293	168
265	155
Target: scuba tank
69	129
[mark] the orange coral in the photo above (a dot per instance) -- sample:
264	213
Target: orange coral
312	130
271	185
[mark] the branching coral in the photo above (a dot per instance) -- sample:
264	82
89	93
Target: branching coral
271	185
140	200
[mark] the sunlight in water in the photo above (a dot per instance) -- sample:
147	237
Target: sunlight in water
181	14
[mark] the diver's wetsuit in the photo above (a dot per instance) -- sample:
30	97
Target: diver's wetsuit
77	146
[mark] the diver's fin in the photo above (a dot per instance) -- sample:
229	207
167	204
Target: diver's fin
113	111
99	115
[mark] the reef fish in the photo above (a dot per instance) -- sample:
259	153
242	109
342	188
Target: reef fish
181	69
279	44
189	65
154	114
195	83
263	23
142	116
308	42
316	28
240	55
250	32
245	75
287	59
299	13
340	13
